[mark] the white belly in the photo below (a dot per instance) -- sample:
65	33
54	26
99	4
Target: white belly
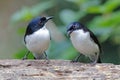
38	42
82	42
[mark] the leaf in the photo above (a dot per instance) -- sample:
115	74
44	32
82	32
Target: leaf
107	7
106	20
27	13
110	5
88	4
21	30
67	16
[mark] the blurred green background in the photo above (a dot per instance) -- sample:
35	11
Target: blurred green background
100	16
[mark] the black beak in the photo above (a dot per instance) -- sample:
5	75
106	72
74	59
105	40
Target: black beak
48	18
69	32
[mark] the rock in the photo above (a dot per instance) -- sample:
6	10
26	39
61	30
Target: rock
56	70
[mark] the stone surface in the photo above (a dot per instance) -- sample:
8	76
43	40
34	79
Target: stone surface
56	70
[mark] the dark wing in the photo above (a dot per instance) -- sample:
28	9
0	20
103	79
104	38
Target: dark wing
94	38
32	27
28	32
24	39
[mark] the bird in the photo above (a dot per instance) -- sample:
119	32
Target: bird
37	37
84	42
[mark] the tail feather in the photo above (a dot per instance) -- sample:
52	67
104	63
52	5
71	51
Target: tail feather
99	60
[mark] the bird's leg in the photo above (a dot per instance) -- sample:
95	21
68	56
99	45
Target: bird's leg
46	57
76	59
26	55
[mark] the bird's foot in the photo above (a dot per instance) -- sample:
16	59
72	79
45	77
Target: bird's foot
73	61
76	59
35	58
24	58
93	63
47	61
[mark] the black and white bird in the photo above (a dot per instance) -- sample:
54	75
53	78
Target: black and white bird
37	37
84	41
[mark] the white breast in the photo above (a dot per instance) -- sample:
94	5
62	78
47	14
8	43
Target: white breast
82	42
38	42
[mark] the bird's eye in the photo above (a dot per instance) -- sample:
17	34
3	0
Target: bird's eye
43	19
76	26
73	26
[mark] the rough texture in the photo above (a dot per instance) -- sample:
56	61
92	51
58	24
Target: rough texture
56	70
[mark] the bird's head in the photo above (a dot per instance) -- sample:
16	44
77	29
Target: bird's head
73	26
43	20
39	22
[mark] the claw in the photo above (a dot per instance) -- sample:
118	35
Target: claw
24	58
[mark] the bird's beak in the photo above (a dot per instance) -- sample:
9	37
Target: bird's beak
68	33
48	18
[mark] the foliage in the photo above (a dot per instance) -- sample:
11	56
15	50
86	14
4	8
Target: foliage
101	16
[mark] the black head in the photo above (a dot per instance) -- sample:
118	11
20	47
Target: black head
74	26
36	24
